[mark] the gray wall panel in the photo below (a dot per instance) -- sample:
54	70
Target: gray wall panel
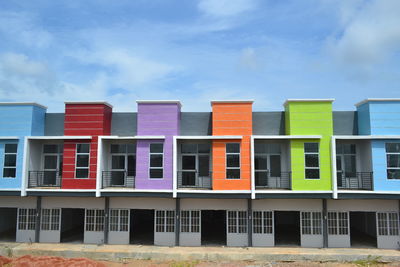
54	124
196	123
124	124
268	123
345	122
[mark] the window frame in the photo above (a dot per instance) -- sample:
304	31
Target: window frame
237	222
387	161
162	161
387	223
226	161
190	221
338	225
53	221
266	219
94	220
305	161
309	225
164	221
4	160
26	219
126	155
122	220
76	161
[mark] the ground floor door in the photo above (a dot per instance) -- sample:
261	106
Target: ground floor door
141	229
8	224
213	227
363	229
287	228
72	225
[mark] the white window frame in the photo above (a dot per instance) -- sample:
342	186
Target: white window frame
4	160
387	223
162	161
312	168
310	223
263	224
126	154
122	220
94	220
226	161
164	221
387	161
192	222
235	220
76	161
50	221
26	219
339	225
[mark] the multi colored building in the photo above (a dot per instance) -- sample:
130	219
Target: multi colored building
305	176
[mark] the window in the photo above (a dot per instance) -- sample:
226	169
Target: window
165	221
338	223
10	160
119	220
237	222
388	223
311	223
82	161
233	161
156	160
190	221
311	158
27	219
94	220
393	160
50	220
262	222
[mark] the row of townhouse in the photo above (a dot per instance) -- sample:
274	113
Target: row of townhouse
306	176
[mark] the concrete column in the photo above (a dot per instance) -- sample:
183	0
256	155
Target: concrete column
106	218
38	217
177	220
250	222
324	223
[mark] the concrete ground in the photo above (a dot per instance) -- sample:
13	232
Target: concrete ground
122	253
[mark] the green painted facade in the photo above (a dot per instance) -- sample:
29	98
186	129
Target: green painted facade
310	118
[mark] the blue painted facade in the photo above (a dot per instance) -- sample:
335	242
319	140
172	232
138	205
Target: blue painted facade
380	118
18	120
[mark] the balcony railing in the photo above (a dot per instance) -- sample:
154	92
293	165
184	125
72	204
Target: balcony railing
194	179
357	181
44	179
268	180
118	179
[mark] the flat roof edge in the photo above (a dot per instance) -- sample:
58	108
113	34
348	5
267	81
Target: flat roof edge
308	100
159	102
88	103
22	104
376	100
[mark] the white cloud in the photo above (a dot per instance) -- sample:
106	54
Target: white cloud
249	59
371	35
225	8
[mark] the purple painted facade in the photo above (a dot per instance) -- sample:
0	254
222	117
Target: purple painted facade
156	119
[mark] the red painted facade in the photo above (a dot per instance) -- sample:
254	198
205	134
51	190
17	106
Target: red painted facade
88	119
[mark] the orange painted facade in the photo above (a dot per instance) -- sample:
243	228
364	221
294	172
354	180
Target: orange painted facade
233	118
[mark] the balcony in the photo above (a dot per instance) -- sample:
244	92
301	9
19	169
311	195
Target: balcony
194	180
44	179
124	179
355	181
264	180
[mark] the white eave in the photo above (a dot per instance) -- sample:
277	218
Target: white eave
22	104
137	137
61	137
308	100
376	100
8	137
159	102
250	101
287	136
208	137
366	137
89	103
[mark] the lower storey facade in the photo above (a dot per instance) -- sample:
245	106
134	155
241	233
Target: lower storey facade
201	221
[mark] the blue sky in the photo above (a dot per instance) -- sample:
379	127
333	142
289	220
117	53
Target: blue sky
197	51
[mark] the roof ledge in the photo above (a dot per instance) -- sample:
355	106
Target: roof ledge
309	100
376	100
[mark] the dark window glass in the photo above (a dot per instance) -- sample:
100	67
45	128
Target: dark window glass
156	160
82	160
204	148
10	148
131	148
260	148
82	148
275	165
393	174
156	148
233	148
312	173
311	147
393	147
50	148
188	162
118	162
233	173
82	173
9	172
261	178
10	160
156	173
189	148
50	162
393	160
261	162
118	148
312	160
131	165
204	166
232	160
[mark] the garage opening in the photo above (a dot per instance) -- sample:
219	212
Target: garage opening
213	227
142	227
8	224
287	228
72	225
363	229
